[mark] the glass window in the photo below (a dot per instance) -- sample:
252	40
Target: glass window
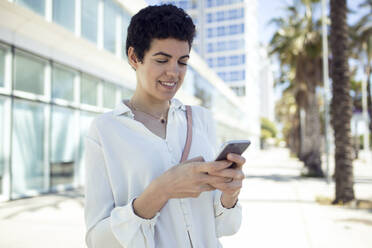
233	29
210	32
89	90
210	62
2	67
234	75
221	61
234	60
221	45
63	83
231	13
29	74
89	19
27	147
126	19
209	3
220	16
110	12
2	154
36	5
109	95
63	138
241	26
64	13
233	44
220	31
210	47
209	17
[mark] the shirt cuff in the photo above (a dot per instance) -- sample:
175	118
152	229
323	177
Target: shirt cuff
219	208
127	213
126	225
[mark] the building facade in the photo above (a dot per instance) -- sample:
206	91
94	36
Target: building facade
62	63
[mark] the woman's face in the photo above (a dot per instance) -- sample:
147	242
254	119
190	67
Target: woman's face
163	69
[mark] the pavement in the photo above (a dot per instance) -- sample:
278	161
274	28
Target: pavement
279	210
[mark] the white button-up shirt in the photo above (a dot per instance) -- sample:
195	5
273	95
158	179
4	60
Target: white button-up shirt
123	157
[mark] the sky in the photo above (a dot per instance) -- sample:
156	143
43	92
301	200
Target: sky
268	9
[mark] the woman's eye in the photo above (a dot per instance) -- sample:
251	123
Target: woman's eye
182	63
161	61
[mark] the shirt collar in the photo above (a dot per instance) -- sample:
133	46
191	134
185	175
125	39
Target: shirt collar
122	109
177	104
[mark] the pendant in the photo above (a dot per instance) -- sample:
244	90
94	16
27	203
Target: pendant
162	120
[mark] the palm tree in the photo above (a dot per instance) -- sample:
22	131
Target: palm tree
341	106
297	43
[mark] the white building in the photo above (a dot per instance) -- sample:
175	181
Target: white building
61	64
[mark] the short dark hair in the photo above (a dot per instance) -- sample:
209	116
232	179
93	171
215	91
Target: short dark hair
158	22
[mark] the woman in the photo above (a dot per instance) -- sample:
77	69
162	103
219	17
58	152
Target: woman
138	194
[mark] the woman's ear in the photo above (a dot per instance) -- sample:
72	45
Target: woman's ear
132	58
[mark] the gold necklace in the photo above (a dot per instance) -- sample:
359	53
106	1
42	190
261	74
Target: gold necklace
162	119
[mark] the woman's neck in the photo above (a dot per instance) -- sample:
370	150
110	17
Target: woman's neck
150	105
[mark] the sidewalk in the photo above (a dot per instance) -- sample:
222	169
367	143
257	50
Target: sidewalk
279	210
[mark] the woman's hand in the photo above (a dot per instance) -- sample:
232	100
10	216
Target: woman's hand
232	184
188	179
192	177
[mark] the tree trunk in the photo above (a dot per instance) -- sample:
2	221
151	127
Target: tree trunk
341	103
294	135
311	145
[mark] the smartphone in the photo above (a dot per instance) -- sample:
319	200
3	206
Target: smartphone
232	146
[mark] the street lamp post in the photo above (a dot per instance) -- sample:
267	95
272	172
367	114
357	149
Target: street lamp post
326	85
365	120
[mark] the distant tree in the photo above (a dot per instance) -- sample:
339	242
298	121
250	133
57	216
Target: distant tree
268	130
297	43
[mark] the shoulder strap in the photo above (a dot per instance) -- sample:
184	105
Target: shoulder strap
186	150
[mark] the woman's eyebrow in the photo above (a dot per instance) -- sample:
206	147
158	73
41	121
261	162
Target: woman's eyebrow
169	56
162	53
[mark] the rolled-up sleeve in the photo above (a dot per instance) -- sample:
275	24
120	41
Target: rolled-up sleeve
228	220
109	225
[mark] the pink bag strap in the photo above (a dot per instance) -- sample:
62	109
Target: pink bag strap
186	150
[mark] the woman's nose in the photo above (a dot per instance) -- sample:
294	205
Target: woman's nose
173	70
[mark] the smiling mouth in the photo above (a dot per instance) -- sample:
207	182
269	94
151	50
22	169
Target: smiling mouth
167	84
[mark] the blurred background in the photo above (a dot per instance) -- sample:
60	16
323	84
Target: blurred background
289	75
